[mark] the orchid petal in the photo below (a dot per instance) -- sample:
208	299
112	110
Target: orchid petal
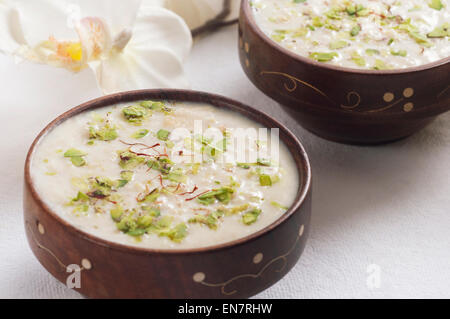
57	18
136	69
117	14
43	19
153	57
11	35
161	28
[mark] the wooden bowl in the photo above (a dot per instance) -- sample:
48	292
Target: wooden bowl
236	269
342	104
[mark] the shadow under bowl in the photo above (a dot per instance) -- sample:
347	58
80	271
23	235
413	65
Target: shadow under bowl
236	269
342	104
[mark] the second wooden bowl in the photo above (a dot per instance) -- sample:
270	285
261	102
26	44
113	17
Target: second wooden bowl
342	104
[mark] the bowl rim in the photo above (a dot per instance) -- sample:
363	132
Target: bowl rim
246	9
303	164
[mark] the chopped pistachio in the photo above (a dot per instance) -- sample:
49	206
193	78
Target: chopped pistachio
140	134
251	216
78	161
130	160
125	177
265	180
135	113
211	220
74	153
323	56
176	234
435	4
402	53
222	194
105	133
162	164
237	209
152	196
76	157
440	32
339	44
355	30
380	65
276	204
116	213
177	175
163	134
372	52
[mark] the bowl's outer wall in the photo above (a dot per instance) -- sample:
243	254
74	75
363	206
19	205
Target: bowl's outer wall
359	106
119	273
235	271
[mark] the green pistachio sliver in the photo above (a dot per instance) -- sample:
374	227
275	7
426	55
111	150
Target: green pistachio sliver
402	53
355	30
338	44
317	22
333	14
78	161
277	37
140	134
380	65
152	196
323	56
298	1
435	4
210	220
440	32
116	213
129	160
135	113
265	180
276	204
358	59
125	177
178	233
222	194
144	221
372	52
74	153
251	216
363	12
263	162
351	9
163	134
127	224
136	232
177	176
105	133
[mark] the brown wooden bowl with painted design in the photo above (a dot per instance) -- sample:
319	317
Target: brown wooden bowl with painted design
342	104
240	268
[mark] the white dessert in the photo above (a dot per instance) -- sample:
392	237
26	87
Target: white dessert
363	34
140	174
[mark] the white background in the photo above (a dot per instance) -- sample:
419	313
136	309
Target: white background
386	205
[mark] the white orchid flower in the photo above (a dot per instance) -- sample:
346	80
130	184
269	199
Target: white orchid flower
198	12
128	44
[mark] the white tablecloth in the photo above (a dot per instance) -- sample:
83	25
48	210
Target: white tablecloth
376	210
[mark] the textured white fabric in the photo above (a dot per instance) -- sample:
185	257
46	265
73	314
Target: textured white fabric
386	205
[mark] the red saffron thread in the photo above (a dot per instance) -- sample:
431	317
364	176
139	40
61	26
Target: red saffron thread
191	192
188	199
